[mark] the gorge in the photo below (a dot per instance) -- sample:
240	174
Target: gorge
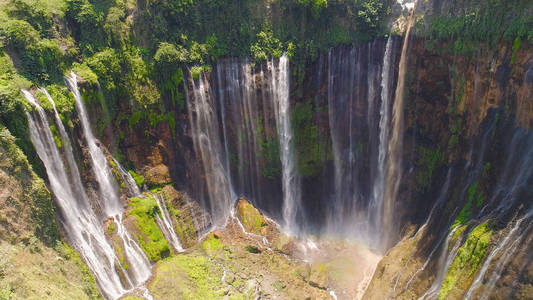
352	150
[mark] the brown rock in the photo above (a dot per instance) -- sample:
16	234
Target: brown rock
157	175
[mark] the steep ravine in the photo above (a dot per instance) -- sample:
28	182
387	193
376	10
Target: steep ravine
274	149
465	157
397	165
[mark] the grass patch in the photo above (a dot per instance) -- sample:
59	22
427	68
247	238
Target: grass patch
475	198
212	244
188	277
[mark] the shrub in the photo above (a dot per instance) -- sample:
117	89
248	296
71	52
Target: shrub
266	46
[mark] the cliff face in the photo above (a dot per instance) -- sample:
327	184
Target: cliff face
466	124
469	142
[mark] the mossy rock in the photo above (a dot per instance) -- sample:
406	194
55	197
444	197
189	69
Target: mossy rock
157	176
149	236
183	213
251	218
465	265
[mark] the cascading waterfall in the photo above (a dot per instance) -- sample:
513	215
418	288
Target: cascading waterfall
207	144
164	221
290	180
445	260
379	182
359	84
395	147
73	167
341	76
140	268
131	186
241	123
230	136
83	227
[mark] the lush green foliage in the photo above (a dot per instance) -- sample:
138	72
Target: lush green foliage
266	46
35	195
427	161
89	284
212	244
150	238
475	22
139	179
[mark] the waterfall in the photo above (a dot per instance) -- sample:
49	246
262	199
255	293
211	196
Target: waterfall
341	74
359	100
81	224
109	199
290	179
165	224
395	147
207	144
445	260
140	268
131	186
72	166
241	126
379	182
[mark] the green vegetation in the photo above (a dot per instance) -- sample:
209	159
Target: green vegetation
458	232
306	140
89	284
190	276
111	228
427	161
482	22
475	198
212	244
467	261
252	249
139	179
50	273
251	218
183	224
131	54
150	238
31	196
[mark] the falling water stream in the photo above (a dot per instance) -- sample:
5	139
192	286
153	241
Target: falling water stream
379	182
164	221
290	180
83	227
140	269
207	144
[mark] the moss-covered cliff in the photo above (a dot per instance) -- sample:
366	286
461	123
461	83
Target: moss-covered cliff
468	112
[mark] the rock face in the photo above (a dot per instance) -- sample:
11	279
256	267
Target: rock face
190	220
466	122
